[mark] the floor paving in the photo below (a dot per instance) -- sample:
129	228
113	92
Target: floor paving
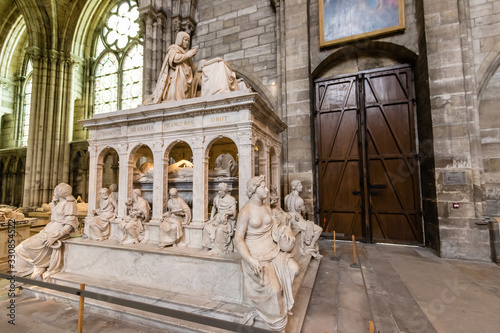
399	288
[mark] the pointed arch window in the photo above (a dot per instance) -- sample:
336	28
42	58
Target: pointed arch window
28	89
119	54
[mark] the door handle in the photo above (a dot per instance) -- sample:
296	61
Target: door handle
356	193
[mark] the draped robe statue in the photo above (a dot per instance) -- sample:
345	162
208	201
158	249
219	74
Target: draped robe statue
138	213
98	225
309	232
218	232
176	75
173	221
41	254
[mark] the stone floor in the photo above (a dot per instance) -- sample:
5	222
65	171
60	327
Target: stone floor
400	289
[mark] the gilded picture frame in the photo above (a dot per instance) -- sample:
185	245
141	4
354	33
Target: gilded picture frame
344	21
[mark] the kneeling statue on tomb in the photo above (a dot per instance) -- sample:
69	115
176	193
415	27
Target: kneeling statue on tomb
138	213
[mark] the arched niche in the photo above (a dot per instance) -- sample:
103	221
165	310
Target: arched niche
105	161
179	168
259	158
140	172
110	172
273	168
79	174
223	167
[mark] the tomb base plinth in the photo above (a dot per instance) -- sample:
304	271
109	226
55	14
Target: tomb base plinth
179	278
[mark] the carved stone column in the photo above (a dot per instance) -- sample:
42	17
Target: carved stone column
47	157
245	151
123	180
200	181
154	45
93	171
158	180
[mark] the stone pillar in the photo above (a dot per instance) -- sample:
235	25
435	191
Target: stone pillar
51	125
93	171
245	164
456	138
154	48
123	181
158	180
298	146
200	181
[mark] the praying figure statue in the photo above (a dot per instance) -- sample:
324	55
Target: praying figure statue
172	224
218	232
309	232
42	254
98	225
268	267
176	75
138	213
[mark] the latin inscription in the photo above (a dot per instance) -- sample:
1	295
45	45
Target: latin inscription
219	119
178	124
114	132
142	128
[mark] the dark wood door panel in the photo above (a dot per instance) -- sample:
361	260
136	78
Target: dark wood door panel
393	173
369	189
338	157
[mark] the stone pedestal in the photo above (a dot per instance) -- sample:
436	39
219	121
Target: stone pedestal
241	116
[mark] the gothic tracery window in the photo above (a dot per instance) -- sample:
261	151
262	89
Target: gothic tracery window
28	88
119	51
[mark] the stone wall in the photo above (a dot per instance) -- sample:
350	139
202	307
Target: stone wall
243	33
485	31
456	129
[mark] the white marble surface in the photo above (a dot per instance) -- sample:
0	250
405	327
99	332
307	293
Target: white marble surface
241	116
180	270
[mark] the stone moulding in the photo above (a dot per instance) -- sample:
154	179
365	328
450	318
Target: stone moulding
193	107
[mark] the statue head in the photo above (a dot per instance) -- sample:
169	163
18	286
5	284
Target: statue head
222	189
113	187
136	193
253	184
296	185
183	39
173	192
62	190
104	192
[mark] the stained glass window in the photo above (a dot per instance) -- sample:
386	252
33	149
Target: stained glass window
106	84
28	88
119	51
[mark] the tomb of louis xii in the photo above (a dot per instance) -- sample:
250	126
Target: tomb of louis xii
234	166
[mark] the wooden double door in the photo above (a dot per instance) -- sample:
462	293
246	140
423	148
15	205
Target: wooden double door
367	161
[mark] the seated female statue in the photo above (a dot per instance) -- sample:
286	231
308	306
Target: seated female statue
268	272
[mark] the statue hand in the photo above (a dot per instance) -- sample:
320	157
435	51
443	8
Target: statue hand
256	266
191	53
49	241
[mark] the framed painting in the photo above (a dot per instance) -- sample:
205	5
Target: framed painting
343	21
